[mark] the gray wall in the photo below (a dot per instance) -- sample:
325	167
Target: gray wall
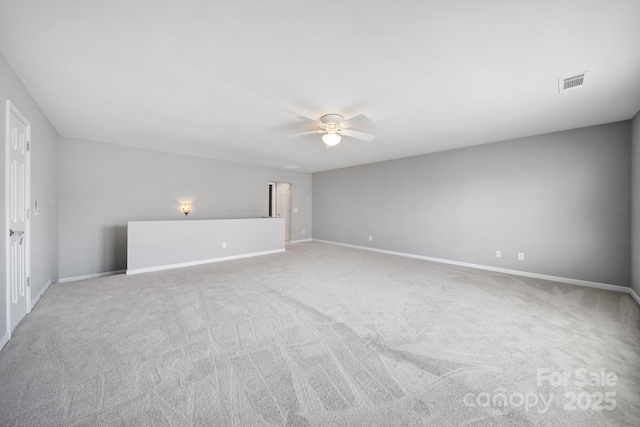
160	245
103	186
562	199
635	210
44	187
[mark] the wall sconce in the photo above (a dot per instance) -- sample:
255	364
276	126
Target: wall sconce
186	208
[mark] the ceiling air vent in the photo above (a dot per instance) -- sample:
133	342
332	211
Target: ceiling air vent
572	82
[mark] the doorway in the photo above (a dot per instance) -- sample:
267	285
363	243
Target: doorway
18	224
280	205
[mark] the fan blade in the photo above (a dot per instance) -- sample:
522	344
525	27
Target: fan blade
357	135
306	133
312	121
354	121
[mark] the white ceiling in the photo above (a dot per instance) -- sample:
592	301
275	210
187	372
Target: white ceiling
227	79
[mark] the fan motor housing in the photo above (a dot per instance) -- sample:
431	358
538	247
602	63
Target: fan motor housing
335	119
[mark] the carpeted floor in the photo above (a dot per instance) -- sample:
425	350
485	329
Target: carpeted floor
324	335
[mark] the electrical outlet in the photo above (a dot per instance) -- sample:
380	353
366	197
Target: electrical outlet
304	231
224	245
520	256
498	254
370	238
295	210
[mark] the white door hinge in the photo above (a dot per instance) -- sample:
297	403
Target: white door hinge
28	145
27	213
28	281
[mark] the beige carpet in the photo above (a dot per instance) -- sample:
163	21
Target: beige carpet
323	335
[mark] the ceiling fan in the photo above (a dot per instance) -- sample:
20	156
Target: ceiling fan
334	127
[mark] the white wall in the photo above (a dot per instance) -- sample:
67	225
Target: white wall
103	186
562	199
44	187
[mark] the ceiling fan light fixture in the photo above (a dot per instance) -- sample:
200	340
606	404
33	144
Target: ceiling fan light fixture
331	139
333	127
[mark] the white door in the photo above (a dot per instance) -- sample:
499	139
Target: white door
284	207
18	174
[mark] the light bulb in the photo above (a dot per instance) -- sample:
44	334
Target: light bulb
331	139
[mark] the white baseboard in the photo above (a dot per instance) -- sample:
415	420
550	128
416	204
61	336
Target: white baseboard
205	261
634	295
90	276
301	240
35	300
617	288
4	340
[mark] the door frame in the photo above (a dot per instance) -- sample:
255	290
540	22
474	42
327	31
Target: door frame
275	204
11	108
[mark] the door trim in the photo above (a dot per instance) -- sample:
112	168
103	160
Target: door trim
290	207
11	108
